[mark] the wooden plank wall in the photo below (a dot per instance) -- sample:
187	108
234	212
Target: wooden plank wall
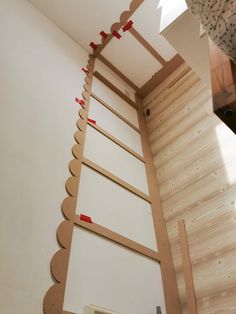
195	160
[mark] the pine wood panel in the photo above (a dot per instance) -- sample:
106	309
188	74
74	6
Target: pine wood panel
194	156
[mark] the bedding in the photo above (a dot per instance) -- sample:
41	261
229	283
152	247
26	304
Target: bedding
218	18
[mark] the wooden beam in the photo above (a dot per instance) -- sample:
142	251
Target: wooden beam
147	46
115	112
117	238
114	88
160	76
115	179
170	287
187	268
115	140
117	72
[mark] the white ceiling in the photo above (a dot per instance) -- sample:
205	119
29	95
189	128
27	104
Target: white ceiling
83	20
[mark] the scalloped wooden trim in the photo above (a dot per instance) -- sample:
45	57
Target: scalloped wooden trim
124	17
54	298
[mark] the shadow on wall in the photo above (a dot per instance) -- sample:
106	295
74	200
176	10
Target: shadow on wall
195	159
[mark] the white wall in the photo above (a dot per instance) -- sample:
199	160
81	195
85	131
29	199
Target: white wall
170	12
112	277
39	77
184	35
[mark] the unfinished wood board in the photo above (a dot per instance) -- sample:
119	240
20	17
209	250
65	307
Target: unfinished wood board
194	155
187	268
115	101
105	153
167	267
126	54
150	30
115	126
118	209
114	274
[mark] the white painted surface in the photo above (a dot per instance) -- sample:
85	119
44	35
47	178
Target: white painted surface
115	159
39	78
131	58
170	12
184	35
115	208
110	276
147	22
83	20
109	122
115	101
114	79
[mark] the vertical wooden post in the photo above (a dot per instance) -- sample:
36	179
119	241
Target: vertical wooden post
187	268
170	287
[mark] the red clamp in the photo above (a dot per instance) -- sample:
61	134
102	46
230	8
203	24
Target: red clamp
103	34
93	45
91	121
116	34
85	218
85	70
128	26
80	101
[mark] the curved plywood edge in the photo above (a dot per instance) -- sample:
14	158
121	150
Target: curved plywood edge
54	298
81	124
68	207
124	17
72	185
77	151
74	167
78	137
83	113
64	233
58	263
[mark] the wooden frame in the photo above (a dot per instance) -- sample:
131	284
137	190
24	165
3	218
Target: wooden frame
115	179
115	140
117	238
114	88
115	112
53	301
187	268
147	46
116	71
